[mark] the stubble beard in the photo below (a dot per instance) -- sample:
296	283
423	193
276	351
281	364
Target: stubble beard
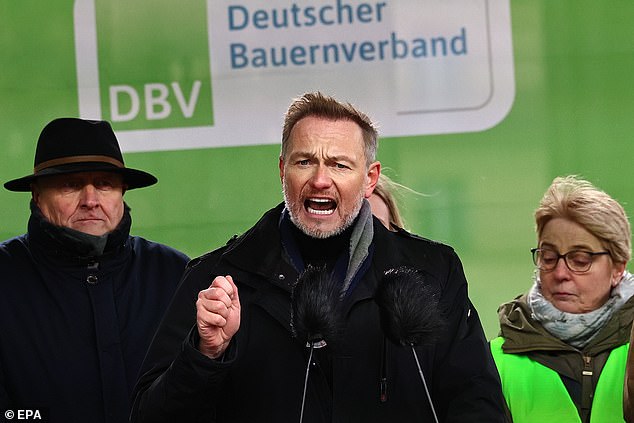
294	209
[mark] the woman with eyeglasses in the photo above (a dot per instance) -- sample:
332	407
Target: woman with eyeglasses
563	346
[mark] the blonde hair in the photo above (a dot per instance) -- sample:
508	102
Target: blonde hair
385	189
576	199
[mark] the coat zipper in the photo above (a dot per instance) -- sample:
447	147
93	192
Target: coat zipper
586	387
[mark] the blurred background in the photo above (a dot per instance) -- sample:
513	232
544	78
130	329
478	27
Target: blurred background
572	114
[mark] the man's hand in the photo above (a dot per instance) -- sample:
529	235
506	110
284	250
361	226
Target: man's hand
217	316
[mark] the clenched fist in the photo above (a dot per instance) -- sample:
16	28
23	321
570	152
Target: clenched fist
217	316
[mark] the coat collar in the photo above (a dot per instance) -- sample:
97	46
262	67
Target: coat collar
259	251
523	334
70	246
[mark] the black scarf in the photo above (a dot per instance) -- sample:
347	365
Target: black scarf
347	255
71	244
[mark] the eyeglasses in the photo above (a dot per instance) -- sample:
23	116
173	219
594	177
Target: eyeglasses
576	260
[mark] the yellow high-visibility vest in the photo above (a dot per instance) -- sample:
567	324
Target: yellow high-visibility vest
536	394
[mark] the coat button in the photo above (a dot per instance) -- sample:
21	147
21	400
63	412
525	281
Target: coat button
92	279
281	277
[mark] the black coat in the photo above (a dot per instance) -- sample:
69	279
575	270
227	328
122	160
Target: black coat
262	374
73	330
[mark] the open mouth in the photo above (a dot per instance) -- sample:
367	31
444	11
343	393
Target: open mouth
321	206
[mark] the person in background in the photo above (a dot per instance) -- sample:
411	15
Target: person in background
628	391
562	347
229	348
384	205
80	298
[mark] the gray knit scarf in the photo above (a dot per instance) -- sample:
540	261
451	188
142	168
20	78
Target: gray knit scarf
572	328
360	240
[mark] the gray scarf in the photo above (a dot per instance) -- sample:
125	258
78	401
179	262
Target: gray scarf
360	241
577	329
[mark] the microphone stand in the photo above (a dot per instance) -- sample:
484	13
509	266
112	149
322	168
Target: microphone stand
317	342
422	377
310	359
409	313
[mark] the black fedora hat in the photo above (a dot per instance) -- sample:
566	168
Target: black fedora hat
71	145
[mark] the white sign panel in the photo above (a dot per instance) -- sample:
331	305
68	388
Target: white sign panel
414	66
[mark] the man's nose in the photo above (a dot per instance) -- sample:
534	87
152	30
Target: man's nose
321	178
89	196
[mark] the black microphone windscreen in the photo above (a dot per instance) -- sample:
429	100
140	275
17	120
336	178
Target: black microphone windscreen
408	307
315	306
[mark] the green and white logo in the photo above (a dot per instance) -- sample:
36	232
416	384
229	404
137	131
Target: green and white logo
149	60
206	73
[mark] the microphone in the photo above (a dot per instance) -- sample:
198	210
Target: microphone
409	313
315	307
315	313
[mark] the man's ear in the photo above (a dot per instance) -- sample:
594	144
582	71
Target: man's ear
281	166
35	193
374	170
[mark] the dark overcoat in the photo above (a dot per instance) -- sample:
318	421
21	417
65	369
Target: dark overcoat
74	330
261	376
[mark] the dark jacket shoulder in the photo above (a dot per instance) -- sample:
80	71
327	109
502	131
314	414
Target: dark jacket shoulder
407	249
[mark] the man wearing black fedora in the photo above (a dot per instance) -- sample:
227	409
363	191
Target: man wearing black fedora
80	298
